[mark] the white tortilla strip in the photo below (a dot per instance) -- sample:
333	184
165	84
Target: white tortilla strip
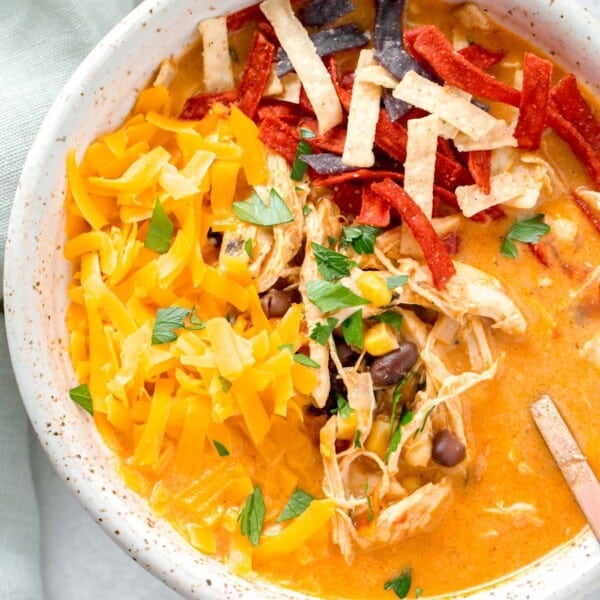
501	136
306	62
419	166
376	75
218	75
362	118
166	73
274	85
291	88
446	103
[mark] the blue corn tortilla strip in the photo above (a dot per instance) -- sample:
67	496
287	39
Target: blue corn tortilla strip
326	163
389	48
319	13
328	41
394	107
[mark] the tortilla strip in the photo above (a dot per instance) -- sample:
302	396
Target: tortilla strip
307	64
218	75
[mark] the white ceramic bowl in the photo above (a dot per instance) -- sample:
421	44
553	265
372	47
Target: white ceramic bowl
96	99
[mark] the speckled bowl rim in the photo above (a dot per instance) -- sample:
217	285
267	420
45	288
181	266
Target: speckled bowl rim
36	276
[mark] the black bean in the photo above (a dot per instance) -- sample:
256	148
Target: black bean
390	368
275	303
447	450
346	355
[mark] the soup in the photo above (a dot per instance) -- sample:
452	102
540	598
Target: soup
313	299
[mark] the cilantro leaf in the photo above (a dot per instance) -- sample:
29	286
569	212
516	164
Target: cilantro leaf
302	359
331	264
418	592
306	210
370	514
296	505
257	212
289	347
361	238
329	296
299	167
391	318
352	330
322	331
307	134
252	516
160	230
427	415
357	435
528	231
81	395
343	409
249	249
396	281
166	322
221	449
400	585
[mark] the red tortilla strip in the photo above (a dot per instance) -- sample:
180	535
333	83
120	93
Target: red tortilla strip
304	102
480	57
537	78
540	251
493	213
567	100
357	175
280	137
588	211
579	144
255	75
374	210
348	196
451	242
238	19
431	45
332	141
435	253
196	107
342	92
479	163
283	111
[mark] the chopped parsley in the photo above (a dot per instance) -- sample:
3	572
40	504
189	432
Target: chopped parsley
302	359
221	449
322	331
528	231
160	230
81	395
396	281
169	319
306	209
357	435
361	238
299	501
352	330
249	249
255	211
331	264
252	516
343	409
329	296
400	585
391	318
299	167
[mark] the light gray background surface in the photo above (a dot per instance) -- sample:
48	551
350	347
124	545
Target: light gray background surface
79	562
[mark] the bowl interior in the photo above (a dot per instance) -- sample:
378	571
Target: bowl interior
96	99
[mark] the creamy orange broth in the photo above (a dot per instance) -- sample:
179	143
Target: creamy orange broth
465	546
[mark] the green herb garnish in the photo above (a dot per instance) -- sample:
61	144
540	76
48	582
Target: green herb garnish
370	513
528	231
302	359
427	415
81	395
225	383
361	238
329	296
160	230
296	505
169	320
255	211
418	592
357	435
249	249
400	585
322	331
391	318
352	330
343	409
222	451
252	516
331	264
396	281
299	167
306	209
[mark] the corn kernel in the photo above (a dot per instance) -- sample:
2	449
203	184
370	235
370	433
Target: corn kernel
374	288
379	438
380	339
411	483
346	428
